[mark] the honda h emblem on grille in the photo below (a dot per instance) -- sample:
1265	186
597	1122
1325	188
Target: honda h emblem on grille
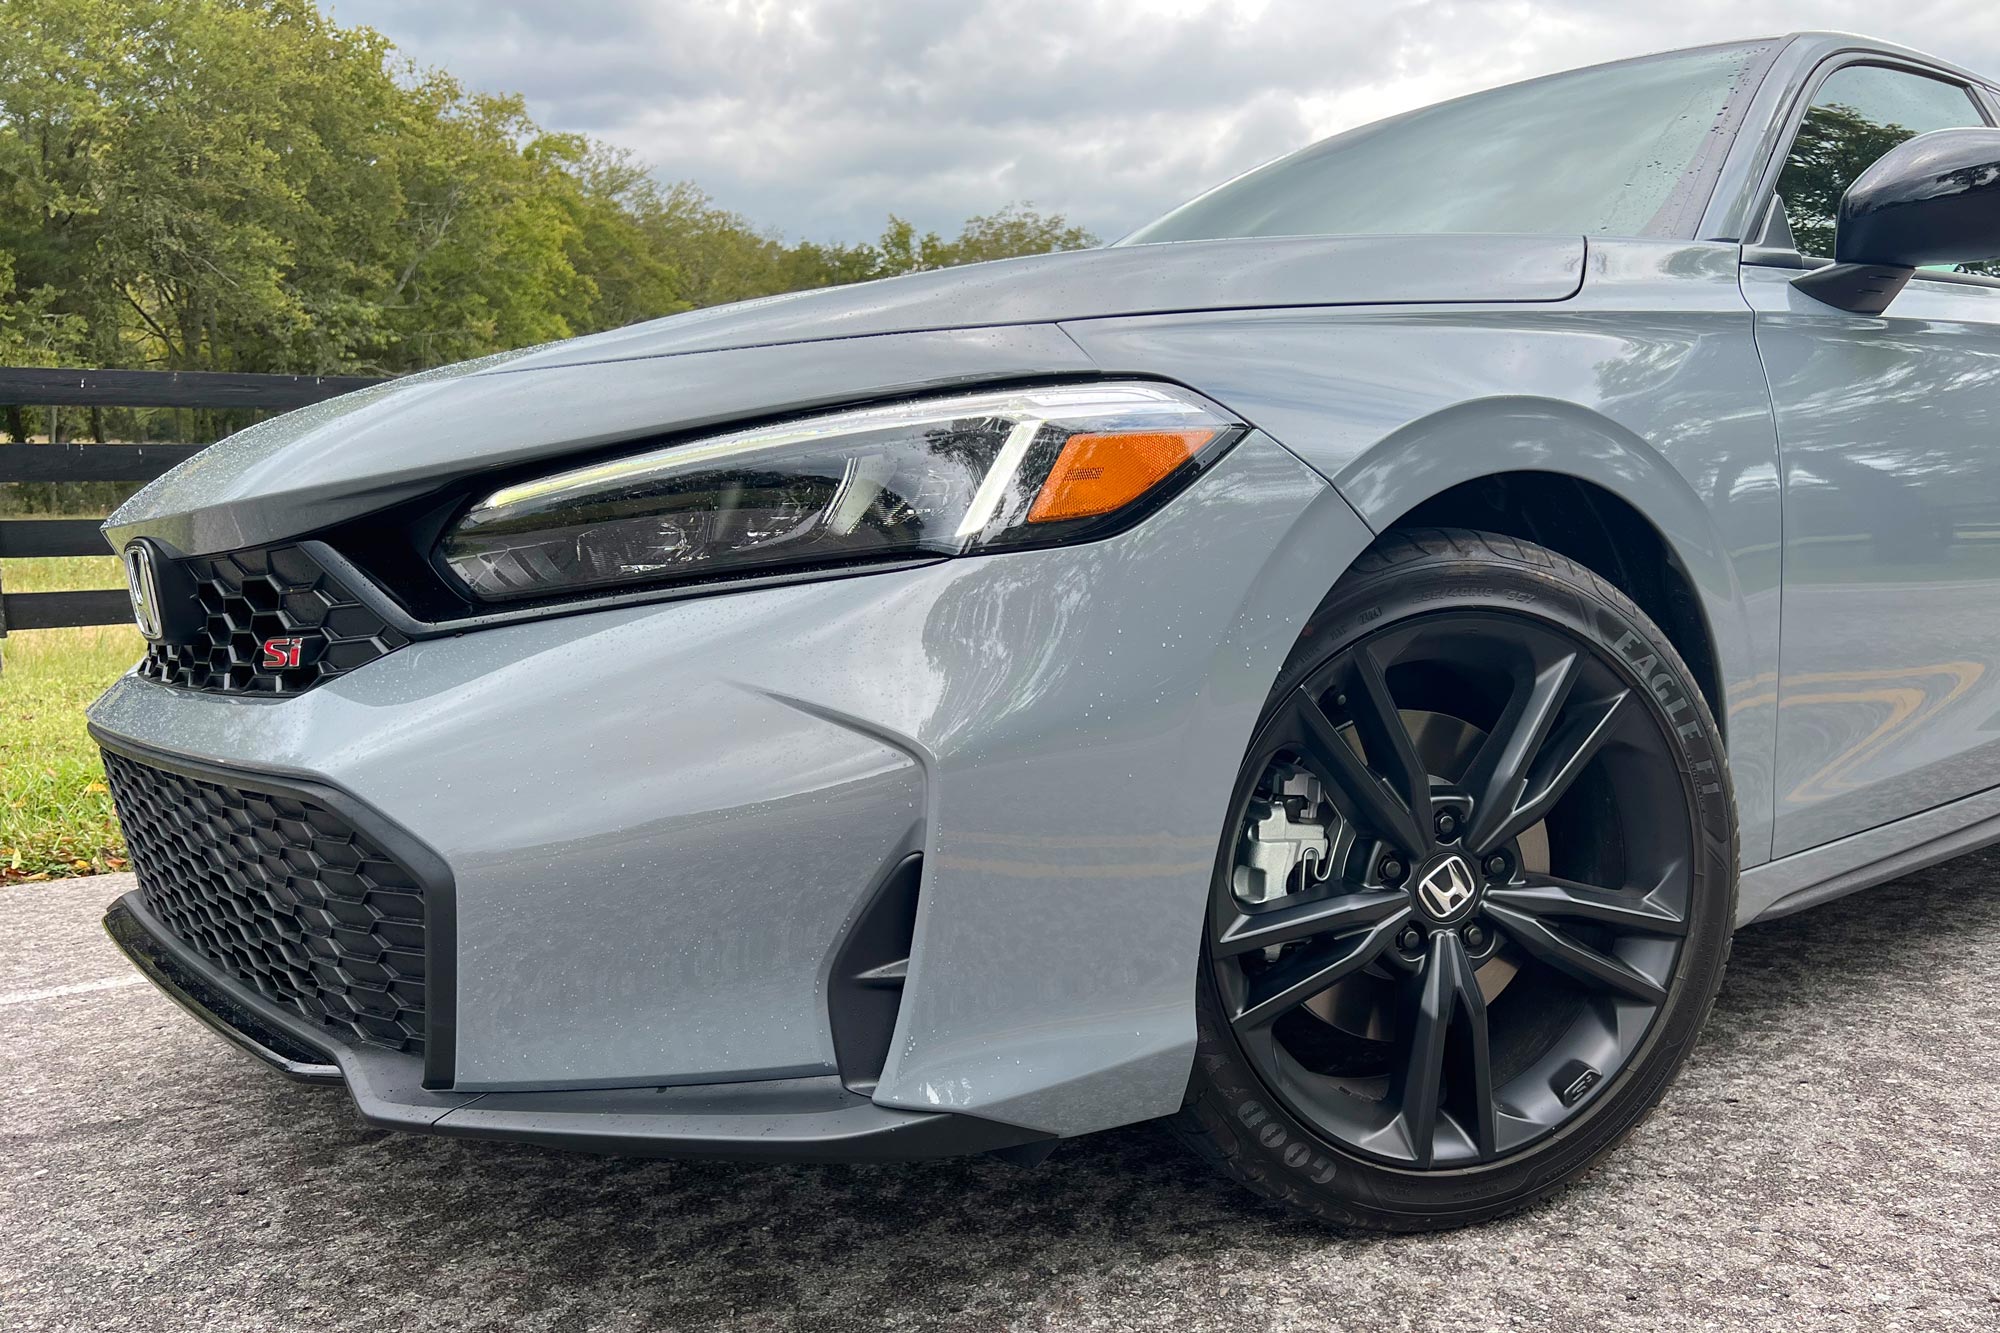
1446	888
142	581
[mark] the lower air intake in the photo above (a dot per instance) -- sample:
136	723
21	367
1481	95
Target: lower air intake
284	896
865	992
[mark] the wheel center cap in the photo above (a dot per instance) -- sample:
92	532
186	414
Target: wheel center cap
1446	889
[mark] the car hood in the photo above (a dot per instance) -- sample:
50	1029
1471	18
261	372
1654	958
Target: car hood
347	457
1120	280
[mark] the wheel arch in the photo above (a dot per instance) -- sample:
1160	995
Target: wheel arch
1577	482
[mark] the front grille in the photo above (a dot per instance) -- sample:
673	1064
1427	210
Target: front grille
282	894
245	600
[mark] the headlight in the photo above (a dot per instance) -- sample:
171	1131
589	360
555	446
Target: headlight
944	476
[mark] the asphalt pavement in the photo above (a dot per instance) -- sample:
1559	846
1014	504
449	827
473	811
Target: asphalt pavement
1827	1161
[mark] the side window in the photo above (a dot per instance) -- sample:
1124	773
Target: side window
1860	113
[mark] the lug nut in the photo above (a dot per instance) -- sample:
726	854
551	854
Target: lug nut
1447	824
1496	865
1475	938
1410	940
1390	869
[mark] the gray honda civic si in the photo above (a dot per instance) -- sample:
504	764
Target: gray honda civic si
1330	670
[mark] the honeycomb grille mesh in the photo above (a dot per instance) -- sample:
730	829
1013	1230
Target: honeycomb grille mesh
284	896
249	597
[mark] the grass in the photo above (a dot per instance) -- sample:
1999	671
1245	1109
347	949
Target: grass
62	574
55	813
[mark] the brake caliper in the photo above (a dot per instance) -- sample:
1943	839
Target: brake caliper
1287	828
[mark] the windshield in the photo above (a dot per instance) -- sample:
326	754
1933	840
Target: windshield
1596	150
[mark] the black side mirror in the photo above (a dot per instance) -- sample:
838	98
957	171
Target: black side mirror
1934	199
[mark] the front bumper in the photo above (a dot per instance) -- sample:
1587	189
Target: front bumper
806	1118
661	822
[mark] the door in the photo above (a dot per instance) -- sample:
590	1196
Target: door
1889	434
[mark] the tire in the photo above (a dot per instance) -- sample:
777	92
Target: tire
1408	1095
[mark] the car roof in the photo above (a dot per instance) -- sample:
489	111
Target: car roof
1816	45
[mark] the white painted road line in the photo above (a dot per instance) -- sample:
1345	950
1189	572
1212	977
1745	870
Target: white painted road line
80	988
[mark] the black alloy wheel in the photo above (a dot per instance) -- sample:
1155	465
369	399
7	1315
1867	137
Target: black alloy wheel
1475	892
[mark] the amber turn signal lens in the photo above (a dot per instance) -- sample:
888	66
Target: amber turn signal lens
1097	474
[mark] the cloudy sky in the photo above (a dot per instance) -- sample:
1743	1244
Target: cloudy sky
820	117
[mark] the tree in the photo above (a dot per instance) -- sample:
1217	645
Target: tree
1015	230
246	185
1834	145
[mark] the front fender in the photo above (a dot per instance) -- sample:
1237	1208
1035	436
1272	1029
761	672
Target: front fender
1514	434
1646	383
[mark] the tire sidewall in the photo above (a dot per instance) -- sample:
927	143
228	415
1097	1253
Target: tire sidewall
1264	1138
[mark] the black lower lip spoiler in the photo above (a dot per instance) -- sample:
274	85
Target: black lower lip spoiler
797	1119
213	1006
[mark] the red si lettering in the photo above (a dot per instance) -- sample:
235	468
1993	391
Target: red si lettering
281	653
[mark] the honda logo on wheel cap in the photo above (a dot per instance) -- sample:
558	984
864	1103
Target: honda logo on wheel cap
1446	888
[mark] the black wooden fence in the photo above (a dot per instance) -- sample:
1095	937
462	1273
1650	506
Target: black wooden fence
27	389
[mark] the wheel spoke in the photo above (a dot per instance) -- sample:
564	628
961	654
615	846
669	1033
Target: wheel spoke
1498	774
1444	996
1518	803
1356	792
1565	757
1391	751
1485	1126
1294	980
1625	910
1339	915
1569	955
